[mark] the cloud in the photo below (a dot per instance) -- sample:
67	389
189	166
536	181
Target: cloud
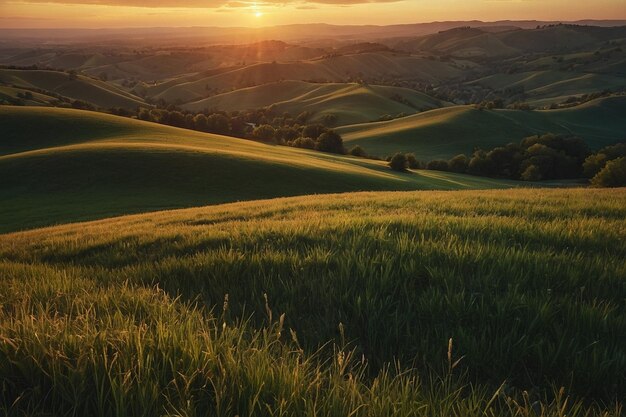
203	3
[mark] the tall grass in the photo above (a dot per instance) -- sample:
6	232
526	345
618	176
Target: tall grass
433	304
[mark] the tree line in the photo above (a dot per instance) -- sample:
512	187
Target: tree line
535	158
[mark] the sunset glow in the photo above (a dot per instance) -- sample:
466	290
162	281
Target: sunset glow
143	13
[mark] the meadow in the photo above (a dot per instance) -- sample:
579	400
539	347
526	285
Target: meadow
446	132
431	303
62	165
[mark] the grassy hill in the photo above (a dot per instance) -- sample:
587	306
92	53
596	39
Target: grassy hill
350	103
468	41
59	165
443	133
552	86
331	69
140	315
97	93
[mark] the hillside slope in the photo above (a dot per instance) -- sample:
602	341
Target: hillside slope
59	165
350	103
443	133
97	93
331	69
220	308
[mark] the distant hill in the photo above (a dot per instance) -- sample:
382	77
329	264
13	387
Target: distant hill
446	132
349	103
89	90
475	42
370	66
539	87
79	165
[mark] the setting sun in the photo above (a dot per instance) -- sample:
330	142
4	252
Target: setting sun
258	14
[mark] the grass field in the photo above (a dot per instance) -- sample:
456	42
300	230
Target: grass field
142	315
59	165
446	132
95	92
350	103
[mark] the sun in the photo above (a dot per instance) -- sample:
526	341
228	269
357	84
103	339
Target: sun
258	14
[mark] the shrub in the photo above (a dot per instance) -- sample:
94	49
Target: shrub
200	122
357	151
412	161
330	142
612	175
458	164
438	165
532	173
264	132
306	143
398	162
313	131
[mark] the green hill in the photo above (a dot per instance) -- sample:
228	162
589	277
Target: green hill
59	165
416	303
97	93
443	133
350	103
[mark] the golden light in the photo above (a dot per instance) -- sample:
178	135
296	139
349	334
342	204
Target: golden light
258	14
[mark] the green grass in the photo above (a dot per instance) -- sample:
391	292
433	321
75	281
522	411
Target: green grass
95	92
443	133
59	165
114	317
350	103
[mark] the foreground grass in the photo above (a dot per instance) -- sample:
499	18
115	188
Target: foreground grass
128	316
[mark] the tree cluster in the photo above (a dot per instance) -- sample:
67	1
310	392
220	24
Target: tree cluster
545	157
535	158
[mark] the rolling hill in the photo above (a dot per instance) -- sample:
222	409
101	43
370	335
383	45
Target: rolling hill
466	41
89	90
541	87
368	66
350	103
446	132
60	165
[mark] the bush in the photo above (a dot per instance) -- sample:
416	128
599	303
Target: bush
305	143
398	162
264	132
438	165
357	151
594	163
412	161
313	131
532	173
612	175
330	142
458	164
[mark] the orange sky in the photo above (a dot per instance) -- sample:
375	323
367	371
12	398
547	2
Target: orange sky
142	13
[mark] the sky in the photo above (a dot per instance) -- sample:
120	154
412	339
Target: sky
151	13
